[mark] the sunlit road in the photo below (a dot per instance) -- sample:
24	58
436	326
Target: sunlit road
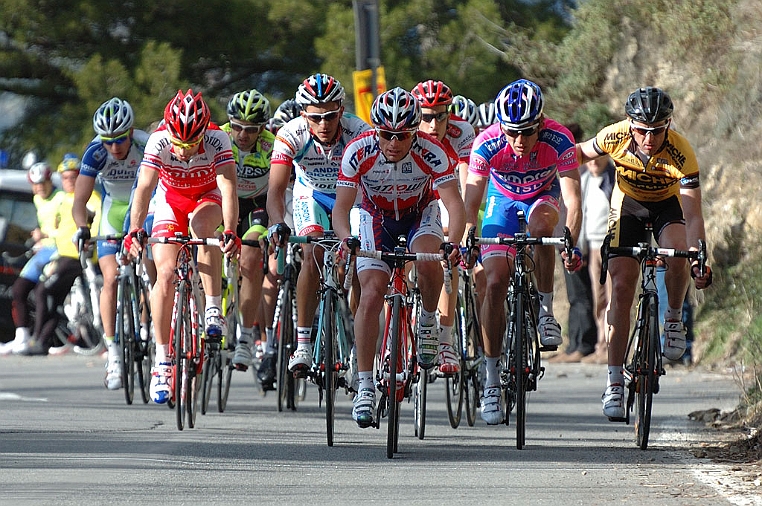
65	439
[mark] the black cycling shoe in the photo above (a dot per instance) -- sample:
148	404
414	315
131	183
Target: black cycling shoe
266	372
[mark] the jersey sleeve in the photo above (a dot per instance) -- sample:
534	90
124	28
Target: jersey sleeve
93	159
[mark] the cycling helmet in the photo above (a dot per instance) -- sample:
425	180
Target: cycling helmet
287	111
70	162
487	114
465	108
39	173
187	116
519	104
113	117
649	105
249	106
319	89
396	109
432	93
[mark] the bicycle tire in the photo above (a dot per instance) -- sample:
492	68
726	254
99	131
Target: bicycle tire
647	363
285	330
125	335
394	404
179	339
146	347
454	384
328	336
210	371
195	360
471	397
520	365
420	393
224	377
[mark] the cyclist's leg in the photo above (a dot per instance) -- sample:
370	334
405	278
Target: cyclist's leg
108	267
251	285
206	218
448	360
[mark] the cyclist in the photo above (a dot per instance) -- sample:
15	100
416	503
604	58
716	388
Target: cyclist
47	200
457	136
285	112
248	113
466	109
527	161
192	162
64	266
315	142
112	159
398	168
487	116
658	183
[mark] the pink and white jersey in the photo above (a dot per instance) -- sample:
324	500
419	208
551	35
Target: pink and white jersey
521	178
196	176
317	166
396	188
459	138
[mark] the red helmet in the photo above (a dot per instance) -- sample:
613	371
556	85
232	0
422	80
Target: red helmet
187	116
432	93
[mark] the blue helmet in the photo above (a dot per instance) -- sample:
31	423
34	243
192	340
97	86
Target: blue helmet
519	104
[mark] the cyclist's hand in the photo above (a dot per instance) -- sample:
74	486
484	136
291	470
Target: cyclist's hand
278	235
452	251
574	263
134	241
348	246
231	245
704	281
81	236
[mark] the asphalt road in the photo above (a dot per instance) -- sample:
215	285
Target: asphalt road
65	439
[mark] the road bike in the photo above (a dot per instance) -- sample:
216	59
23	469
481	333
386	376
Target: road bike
186	335
643	358
133	325
520	359
396	364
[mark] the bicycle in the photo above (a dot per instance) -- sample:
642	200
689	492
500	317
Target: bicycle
186	344
466	385
643	358
522	367
133	325
396	364
218	361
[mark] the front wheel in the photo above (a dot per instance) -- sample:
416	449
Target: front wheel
419	401
647	375
471	396
394	362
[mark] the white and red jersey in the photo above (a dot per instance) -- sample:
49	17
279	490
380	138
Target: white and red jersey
396	188
196	176
459	138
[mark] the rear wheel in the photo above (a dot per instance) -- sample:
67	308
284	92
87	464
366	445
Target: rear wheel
471	395
224	375
454	384
211	366
179	341
419	402
125	332
285	332
144	359
194	364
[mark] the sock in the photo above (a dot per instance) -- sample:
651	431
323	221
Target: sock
246	334
365	380
674	314
546	304
162	350
493	372
272	346
303	338
213	301
616	375
427	318
111	346
445	334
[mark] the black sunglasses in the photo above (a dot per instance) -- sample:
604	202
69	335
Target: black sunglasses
317	117
440	117
526	132
400	135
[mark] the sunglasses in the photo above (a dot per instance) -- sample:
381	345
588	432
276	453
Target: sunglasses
390	135
249	129
185	145
119	139
318	117
439	116
526	132
645	131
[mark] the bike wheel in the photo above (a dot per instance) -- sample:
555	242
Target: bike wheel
454	385
471	396
419	403
646	373
520	367
394	405
211	366
285	332
125	332
146	347
179	340
330	373
224	375
195	361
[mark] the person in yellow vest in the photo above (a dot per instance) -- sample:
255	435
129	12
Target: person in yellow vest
65	266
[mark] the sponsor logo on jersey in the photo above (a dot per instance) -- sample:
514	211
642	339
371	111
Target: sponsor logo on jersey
407	168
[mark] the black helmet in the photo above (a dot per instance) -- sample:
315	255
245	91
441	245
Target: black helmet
649	105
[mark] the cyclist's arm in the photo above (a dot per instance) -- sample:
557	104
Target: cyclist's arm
472	197
450	196
694	218
586	151
83	189
147	180
570	190
345	198
280	174
226	182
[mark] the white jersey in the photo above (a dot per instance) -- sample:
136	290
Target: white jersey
116	176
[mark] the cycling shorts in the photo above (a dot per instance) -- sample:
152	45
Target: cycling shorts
312	210
113	217
33	268
380	232
172	210
252	216
628	218
501	217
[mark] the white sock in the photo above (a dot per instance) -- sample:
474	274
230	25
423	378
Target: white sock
162	350
213	301
493	372
304	338
616	375
445	334
428	318
546	304
365	380
674	314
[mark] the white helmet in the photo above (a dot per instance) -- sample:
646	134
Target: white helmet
113	117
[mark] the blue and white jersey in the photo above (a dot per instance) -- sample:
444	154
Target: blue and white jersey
116	176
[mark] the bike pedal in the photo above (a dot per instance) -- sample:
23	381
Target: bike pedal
617	419
548	348
267	387
241	367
